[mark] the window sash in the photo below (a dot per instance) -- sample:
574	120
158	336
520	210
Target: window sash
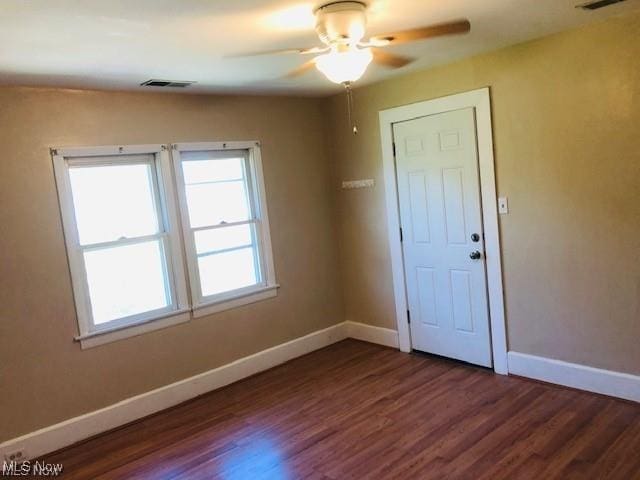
167	278
168	281
253	221
163	168
245	179
263	264
154	186
255	245
225	250
169	285
122	242
167	221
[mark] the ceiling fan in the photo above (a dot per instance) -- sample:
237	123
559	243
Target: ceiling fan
345	56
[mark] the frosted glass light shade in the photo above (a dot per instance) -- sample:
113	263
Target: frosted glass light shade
347	66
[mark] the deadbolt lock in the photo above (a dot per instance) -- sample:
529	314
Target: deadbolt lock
475	237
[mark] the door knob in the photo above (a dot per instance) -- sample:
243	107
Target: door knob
475	255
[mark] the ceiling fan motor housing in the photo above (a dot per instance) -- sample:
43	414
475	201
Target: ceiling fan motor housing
341	22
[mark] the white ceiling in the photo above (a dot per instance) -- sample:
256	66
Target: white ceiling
121	43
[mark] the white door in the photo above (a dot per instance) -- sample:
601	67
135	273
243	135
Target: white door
443	245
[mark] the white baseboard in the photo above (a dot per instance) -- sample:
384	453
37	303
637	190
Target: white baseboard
71	431
369	333
79	428
607	382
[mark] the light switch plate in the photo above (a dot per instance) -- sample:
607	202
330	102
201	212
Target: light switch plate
503	205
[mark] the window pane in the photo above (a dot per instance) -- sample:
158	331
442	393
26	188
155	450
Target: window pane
214	203
222	238
227	271
113	201
215	170
126	280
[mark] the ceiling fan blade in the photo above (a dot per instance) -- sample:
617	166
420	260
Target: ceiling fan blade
389	59
302	69
302	51
439	30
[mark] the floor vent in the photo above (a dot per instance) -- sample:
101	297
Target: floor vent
166	83
598	4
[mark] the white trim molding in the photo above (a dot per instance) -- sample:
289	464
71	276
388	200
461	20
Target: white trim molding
480	101
76	429
107	150
371	334
82	427
101	337
236	300
597	380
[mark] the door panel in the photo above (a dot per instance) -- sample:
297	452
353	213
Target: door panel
453	191
426	278
439	199
419	207
461	300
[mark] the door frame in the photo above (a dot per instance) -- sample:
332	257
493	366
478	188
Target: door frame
480	101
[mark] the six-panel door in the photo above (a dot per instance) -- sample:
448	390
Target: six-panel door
440	211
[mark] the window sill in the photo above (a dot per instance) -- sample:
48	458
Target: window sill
230	302
97	338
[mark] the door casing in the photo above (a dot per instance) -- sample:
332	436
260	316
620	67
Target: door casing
480	101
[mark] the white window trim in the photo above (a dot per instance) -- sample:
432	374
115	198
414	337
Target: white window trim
149	321
202	306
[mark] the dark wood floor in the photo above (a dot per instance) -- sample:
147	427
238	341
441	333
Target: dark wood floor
359	411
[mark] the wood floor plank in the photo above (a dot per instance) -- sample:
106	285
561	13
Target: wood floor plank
355	410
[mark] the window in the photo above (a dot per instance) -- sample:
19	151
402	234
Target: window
225	224
121	233
121	223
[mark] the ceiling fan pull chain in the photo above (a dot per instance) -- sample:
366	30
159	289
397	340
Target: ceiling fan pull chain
347	86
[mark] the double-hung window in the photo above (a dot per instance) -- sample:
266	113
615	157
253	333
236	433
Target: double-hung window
122	215
121	230
225	224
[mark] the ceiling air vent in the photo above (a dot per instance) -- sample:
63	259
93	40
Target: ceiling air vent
598	4
166	83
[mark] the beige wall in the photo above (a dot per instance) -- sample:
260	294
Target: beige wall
566	117
45	376
566	113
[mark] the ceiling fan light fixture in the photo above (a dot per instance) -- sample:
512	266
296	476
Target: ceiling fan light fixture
346	66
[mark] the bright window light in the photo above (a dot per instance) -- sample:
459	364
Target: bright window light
216	191
226	271
121	215
122	243
113	202
208	241
224	223
126	280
